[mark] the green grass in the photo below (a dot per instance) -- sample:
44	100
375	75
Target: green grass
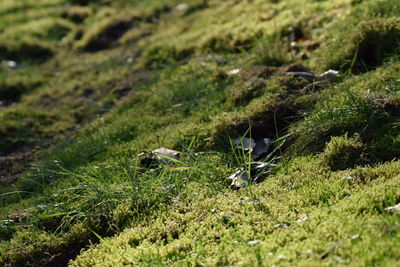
99	82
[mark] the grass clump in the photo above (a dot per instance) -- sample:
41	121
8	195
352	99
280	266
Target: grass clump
376	40
272	50
370	43
343	152
345	112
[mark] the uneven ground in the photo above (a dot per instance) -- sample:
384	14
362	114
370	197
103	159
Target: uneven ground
97	82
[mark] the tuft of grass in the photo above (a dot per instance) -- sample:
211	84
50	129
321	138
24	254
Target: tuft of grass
343	152
345	112
374	39
272	50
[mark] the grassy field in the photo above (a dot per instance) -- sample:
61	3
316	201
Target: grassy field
87	85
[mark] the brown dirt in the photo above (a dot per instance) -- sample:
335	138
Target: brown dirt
15	163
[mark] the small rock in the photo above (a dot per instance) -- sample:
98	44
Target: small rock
182	7
177	105
281	225
281	257
232	72
302	219
307	252
394	209
353	237
10	63
254	242
347	177
328	76
166	153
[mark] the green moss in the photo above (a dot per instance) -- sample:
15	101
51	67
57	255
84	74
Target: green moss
162	77
375	38
343	152
30	49
373	41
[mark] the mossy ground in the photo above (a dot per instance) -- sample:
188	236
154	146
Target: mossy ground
97	82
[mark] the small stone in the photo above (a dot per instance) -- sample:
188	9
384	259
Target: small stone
307	252
347	177
356	236
10	63
281	257
166	153
328	76
254	242
281	225
302	219
394	209
182	7
232	72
